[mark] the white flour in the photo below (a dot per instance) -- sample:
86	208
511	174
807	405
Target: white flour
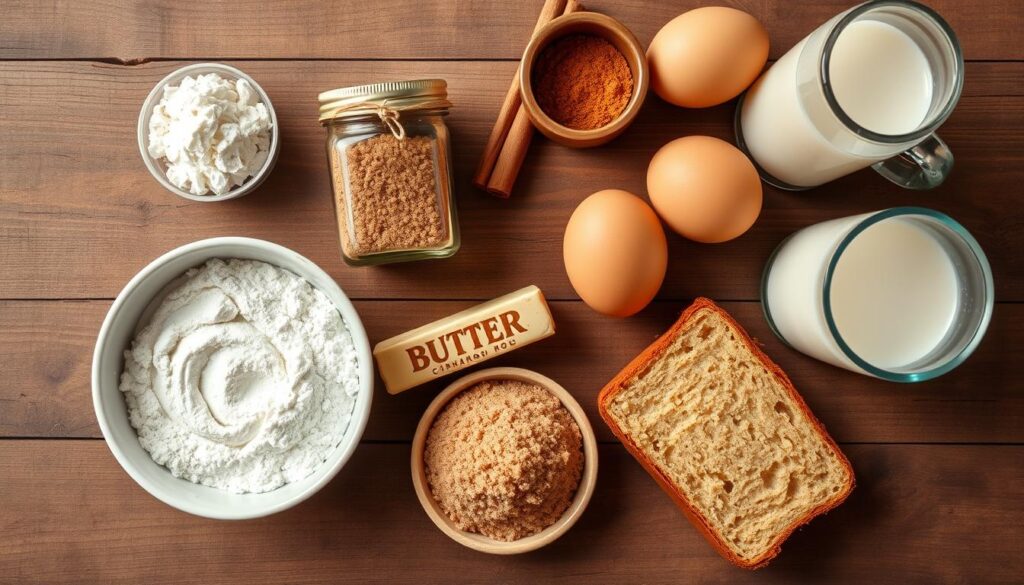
244	379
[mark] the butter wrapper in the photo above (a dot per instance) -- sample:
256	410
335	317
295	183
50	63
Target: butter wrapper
463	339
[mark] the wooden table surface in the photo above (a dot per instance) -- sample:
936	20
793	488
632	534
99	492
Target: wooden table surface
940	465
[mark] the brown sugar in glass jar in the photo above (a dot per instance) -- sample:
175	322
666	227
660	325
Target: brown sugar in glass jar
389	156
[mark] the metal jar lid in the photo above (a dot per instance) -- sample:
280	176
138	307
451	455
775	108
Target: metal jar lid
360	100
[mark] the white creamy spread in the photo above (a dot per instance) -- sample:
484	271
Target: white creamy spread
213	133
244	379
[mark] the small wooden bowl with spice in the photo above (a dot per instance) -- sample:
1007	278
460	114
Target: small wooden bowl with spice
583	79
504	461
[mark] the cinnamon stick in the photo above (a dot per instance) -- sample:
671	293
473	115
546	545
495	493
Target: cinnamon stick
509	108
511	156
517	140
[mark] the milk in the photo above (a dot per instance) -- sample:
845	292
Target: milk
881	79
894	293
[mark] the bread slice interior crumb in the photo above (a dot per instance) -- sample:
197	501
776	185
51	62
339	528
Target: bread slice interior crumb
726	431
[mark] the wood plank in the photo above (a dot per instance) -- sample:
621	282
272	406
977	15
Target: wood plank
79	215
46	354
920	514
399	30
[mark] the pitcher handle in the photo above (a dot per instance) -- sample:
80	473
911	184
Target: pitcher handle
924	166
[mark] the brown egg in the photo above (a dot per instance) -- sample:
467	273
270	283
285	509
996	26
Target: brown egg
707	56
704	188
615	252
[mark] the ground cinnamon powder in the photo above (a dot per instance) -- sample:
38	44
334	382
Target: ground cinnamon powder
504	459
392	194
582	81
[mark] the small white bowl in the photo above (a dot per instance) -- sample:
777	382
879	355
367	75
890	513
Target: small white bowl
117	333
159	170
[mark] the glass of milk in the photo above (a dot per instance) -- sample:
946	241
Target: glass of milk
867	88
903	294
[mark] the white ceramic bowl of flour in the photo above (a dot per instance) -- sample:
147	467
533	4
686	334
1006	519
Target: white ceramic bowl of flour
120	328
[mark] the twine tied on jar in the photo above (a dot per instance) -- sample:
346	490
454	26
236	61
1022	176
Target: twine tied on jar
389	115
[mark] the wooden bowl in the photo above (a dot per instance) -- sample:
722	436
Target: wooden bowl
478	541
618	35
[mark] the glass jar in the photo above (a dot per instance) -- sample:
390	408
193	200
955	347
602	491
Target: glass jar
390	165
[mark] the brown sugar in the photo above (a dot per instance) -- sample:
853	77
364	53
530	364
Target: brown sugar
504	459
582	82
393	193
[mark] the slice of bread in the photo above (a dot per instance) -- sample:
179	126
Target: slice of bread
724	432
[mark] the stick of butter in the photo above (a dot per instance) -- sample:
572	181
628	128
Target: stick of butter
463	339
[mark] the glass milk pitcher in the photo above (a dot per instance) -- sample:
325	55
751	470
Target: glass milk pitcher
867	88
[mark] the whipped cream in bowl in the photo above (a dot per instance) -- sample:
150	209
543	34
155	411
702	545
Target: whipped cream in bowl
232	378
208	132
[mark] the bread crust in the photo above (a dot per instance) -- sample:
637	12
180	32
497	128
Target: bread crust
653	352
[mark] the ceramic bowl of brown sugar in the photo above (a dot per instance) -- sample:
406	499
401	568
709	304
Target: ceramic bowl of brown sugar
583	79
470	472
